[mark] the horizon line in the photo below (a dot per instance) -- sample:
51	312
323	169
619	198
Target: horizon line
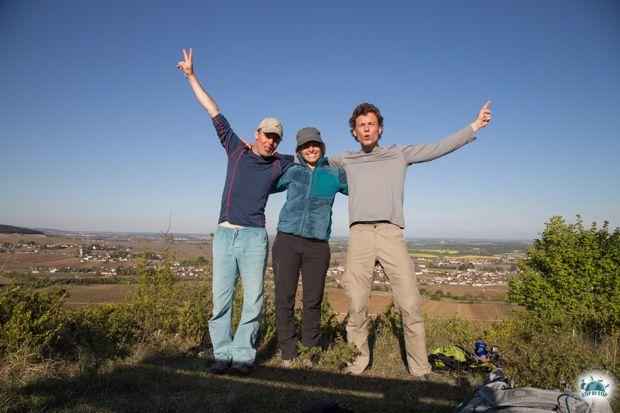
207	234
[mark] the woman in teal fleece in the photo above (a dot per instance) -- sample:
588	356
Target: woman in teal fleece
302	240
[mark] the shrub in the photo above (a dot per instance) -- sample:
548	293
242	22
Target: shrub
30	320
454	330
107	330
194	314
539	354
155	302
572	273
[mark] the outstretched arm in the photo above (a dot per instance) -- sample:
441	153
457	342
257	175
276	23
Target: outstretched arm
203	97
429	151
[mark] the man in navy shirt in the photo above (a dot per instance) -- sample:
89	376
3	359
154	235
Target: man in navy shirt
240	245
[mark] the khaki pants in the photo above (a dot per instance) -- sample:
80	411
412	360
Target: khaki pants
385	243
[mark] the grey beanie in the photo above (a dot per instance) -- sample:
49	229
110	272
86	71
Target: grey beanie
306	135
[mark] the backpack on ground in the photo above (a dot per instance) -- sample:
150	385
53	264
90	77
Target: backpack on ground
496	395
455	358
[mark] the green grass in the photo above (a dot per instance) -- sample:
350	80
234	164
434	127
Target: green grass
170	381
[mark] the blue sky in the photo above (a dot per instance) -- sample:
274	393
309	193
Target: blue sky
99	131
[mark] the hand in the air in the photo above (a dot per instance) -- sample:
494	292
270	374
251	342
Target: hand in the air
484	117
186	65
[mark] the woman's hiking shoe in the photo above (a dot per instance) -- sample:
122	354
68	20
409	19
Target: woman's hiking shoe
219	367
240	369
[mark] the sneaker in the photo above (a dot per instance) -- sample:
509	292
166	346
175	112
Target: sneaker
219	367
240	369
288	364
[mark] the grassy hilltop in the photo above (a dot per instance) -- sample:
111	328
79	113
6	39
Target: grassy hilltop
151	352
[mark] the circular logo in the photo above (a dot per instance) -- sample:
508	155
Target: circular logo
595	383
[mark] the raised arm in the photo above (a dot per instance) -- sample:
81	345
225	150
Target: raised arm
429	151
203	97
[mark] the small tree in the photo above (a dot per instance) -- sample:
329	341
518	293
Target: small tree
572	273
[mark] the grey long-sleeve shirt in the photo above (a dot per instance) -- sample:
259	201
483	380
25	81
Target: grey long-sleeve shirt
376	179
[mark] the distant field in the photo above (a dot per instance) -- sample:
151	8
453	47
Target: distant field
24	261
477	257
451	254
419	255
488	291
80	295
440	252
485	311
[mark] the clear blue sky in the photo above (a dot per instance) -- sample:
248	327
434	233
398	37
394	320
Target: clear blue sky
99	131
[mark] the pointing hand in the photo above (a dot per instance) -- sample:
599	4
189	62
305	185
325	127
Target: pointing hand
484	117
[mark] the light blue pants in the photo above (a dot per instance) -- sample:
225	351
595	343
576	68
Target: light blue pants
241	251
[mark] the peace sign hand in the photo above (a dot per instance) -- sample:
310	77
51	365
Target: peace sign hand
484	117
186	65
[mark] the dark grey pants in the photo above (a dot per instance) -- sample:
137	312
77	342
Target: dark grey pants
290	255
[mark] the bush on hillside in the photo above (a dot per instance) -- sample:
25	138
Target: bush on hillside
572	273
545	355
30	321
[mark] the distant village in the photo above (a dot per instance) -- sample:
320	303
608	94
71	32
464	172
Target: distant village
109	260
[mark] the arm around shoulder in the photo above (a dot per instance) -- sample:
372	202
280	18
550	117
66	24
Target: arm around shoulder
343	185
336	161
282	184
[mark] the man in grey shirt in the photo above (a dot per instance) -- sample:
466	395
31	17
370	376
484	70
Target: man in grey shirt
376	177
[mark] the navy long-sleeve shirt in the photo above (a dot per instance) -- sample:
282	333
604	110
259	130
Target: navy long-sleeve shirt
249	178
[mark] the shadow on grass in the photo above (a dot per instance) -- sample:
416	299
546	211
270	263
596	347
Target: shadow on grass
165	383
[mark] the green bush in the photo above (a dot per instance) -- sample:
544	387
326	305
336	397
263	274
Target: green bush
539	354
108	330
35	322
155	302
30	320
572	273
194	314
454	330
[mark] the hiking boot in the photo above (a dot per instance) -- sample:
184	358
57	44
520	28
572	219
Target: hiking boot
314	360
354	370
219	367
240	369
357	367
288	364
425	378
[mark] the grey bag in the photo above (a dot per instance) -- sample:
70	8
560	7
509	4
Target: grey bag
496	395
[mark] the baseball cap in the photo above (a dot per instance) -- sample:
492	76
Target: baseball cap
271	125
306	135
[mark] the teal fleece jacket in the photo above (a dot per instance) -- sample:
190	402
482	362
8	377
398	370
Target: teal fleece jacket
307	211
